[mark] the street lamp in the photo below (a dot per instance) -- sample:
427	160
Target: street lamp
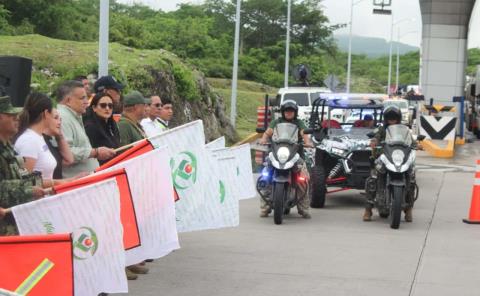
103	38
390	54
233	102
349	65
287	44
398	53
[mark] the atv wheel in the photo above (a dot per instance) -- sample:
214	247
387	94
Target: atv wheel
318	187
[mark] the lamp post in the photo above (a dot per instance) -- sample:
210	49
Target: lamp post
390	54
103	38
398	53
233	103
287	44
349	64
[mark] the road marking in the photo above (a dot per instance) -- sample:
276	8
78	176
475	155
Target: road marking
32	280
444	168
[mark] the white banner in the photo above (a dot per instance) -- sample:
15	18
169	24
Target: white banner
228	192
152	193
195	177
216	144
245	183
92	214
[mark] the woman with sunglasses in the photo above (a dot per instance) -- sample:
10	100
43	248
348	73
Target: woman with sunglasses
99	123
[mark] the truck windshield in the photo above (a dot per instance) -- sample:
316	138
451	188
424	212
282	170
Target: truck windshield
300	98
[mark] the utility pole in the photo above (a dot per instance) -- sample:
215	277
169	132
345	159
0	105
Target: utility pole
233	105
103	38
287	44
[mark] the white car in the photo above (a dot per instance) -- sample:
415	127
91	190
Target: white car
402	105
304	96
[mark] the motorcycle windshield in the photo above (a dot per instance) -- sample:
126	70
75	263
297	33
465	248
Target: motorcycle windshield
398	134
285	132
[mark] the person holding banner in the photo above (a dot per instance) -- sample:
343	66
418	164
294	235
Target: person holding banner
37	116
133	112
101	129
130	132
58	145
166	113
110	86
73	103
152	124
16	185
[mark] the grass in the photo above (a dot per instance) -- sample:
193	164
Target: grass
250	95
55	60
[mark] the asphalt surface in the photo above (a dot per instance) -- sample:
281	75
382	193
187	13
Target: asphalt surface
335	253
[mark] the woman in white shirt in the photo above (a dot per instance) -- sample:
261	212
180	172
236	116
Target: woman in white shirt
36	117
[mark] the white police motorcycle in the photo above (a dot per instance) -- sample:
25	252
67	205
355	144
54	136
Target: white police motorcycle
281	183
397	163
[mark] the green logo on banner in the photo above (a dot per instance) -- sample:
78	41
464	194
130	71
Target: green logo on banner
184	170
222	191
85	243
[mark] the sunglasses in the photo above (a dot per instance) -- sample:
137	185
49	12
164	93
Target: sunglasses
105	105
158	105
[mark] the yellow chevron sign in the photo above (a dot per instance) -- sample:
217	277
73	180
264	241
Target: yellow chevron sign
439	108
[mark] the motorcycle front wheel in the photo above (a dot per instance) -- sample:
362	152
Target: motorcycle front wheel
397	198
279	193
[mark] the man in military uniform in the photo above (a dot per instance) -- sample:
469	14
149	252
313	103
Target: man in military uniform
16	185
131	131
134	111
376	183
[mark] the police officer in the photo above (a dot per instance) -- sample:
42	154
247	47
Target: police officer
376	182
17	186
289	110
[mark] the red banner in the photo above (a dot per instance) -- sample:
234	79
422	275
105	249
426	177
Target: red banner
37	265
131	236
139	149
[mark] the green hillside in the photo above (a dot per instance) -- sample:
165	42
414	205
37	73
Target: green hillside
250	95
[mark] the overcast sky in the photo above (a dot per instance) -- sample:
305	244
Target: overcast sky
406	13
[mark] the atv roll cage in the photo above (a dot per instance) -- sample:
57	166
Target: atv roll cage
346	103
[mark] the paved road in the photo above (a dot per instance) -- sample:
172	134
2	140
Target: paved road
335	253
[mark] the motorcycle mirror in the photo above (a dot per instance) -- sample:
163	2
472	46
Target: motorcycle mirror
260	130
308	131
371	135
420	137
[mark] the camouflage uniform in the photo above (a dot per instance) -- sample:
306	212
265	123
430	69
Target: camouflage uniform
302	189
15	184
376	182
15	187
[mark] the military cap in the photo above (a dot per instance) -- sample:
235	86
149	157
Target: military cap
135	98
107	82
6	106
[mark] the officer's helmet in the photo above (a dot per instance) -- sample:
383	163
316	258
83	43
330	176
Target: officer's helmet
392	113
289	105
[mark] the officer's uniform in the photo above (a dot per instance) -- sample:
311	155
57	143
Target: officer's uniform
130	130
15	183
303	204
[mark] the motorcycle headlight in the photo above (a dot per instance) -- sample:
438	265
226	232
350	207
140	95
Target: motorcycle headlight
283	154
398	156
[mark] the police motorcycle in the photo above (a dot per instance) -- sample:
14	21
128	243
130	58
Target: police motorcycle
397	164
282	184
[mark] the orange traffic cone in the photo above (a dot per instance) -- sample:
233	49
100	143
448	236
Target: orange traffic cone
474	216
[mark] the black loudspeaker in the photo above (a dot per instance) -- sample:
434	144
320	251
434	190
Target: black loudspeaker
15	77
